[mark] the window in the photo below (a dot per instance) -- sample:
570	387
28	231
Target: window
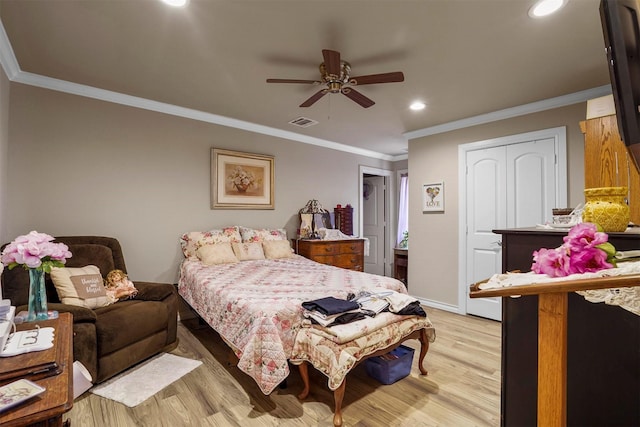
403	208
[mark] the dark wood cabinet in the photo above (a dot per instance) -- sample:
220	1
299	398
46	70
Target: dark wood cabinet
603	368
401	265
340	253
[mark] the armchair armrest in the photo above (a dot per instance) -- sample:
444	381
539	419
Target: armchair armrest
150	291
80	314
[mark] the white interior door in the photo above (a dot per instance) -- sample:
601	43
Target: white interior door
514	185
374	223
486	211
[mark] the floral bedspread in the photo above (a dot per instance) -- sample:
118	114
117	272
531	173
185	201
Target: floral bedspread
255	306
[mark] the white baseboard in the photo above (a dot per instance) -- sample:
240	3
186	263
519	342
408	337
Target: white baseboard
439	305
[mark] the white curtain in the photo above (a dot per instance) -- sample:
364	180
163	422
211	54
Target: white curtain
403	208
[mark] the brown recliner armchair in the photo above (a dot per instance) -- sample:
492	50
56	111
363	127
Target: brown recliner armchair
109	339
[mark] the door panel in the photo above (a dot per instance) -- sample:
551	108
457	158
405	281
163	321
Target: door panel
374	223
486	211
532	171
508	186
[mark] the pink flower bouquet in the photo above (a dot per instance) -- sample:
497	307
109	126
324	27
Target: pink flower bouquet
585	249
35	251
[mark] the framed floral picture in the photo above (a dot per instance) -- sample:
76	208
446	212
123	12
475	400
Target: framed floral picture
433	197
241	180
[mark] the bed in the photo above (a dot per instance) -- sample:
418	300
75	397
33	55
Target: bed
254	303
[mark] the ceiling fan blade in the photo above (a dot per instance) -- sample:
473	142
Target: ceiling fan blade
331	61
309	102
396	76
356	96
293	81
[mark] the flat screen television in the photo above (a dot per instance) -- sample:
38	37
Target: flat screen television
621	29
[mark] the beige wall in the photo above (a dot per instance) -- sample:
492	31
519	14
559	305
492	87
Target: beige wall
433	254
82	166
4	144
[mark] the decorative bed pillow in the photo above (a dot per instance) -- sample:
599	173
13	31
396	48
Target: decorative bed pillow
190	242
80	286
220	253
262	234
248	251
275	249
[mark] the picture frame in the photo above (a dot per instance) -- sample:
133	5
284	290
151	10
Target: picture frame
433	197
242	180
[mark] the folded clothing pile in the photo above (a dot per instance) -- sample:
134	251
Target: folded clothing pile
330	311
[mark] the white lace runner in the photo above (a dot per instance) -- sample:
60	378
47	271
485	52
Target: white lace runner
626	298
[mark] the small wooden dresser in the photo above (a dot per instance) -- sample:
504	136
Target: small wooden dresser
340	253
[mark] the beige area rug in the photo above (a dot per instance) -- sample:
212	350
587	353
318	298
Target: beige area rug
136	385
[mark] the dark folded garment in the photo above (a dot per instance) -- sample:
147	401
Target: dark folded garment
413	308
342	319
330	305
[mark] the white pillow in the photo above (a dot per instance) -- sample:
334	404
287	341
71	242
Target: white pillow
248	251
82	286
220	253
276	249
190	242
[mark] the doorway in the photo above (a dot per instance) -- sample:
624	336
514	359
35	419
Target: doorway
374	213
507	182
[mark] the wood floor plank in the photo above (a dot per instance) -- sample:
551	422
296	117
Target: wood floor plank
462	388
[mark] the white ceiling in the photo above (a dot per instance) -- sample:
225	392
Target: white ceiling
463	58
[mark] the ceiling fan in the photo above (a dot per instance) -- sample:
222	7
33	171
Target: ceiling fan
336	76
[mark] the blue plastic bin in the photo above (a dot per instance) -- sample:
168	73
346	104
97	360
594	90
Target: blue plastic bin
387	370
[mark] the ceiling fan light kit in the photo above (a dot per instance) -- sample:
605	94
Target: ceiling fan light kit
336	77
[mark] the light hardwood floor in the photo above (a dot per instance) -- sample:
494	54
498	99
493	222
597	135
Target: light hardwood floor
462	388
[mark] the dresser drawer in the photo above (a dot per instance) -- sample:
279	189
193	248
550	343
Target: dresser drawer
355	247
340	253
350	261
318	249
324	259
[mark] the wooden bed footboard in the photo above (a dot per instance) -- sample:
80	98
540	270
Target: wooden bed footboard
338	394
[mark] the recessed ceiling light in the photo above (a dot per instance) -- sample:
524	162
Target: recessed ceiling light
417	106
546	7
176	3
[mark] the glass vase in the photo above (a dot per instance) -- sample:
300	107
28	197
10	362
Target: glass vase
37	296
606	206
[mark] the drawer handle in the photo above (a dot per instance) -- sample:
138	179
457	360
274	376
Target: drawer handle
327	249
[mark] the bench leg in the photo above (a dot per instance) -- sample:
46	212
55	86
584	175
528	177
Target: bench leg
304	373
424	347
338	395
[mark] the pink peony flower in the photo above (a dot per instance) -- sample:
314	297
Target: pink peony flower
588	260
553	262
585	249
585	235
35	250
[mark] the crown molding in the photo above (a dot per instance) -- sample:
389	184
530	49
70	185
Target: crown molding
7	57
507	113
15	74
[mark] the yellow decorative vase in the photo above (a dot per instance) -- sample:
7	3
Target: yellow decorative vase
606	206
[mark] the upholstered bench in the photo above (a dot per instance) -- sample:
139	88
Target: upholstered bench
337	350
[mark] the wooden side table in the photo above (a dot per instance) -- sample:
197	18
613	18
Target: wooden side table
552	336
47	409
